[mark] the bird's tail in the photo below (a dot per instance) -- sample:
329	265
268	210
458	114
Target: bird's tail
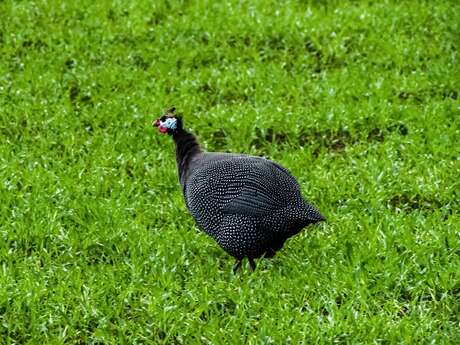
300	217
311	214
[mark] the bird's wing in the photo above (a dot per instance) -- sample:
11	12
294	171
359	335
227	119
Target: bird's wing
265	189
252	202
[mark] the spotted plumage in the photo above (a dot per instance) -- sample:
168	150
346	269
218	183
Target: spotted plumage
248	204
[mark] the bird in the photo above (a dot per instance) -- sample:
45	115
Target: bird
249	205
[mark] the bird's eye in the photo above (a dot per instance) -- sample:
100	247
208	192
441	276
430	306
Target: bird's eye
163	118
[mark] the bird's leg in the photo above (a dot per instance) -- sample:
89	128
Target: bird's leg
236	266
252	264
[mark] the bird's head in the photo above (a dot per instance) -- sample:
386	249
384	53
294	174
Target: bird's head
169	123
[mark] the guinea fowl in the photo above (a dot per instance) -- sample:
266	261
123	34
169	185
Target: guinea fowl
248	204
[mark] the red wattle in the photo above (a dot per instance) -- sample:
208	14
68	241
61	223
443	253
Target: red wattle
163	129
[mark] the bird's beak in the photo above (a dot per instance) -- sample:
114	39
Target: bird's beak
156	123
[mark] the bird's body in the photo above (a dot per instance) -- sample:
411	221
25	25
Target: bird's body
248	204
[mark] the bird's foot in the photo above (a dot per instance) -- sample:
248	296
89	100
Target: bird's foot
252	264
237	266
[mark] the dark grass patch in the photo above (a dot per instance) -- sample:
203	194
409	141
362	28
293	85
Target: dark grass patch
74	92
227	95
139	61
407	203
333	140
421	96
98	253
227	306
329	139
218	139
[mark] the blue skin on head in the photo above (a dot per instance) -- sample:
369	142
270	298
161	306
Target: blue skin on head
170	123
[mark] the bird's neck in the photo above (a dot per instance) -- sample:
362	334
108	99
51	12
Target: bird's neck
187	146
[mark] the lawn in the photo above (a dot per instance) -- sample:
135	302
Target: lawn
358	99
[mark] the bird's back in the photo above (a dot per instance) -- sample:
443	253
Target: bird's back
239	184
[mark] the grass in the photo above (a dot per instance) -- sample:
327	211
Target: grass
358	99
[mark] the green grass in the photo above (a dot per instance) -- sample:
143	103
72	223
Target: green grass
358	99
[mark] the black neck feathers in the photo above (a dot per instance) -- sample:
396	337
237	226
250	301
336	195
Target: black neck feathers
186	147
